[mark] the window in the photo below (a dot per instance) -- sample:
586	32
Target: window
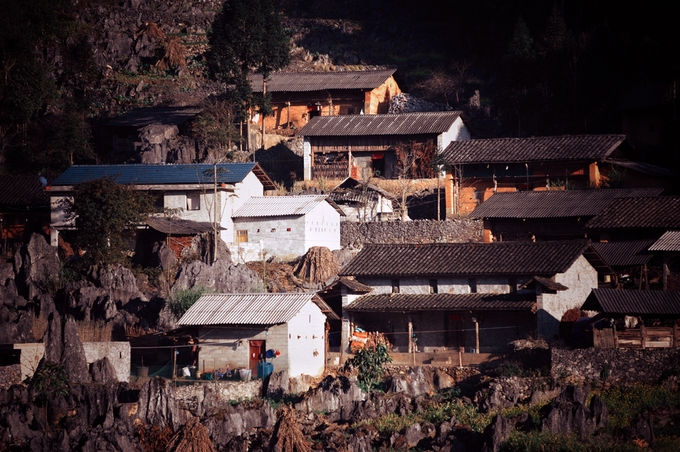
433	286
473	285
242	236
395	286
193	201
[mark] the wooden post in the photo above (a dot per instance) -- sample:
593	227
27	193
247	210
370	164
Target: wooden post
264	95
665	271
477	337
643	336
288	117
460	359
174	362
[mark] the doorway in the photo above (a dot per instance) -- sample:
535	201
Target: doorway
257	351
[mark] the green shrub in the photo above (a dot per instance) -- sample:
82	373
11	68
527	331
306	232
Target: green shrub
625	403
369	362
181	300
509	369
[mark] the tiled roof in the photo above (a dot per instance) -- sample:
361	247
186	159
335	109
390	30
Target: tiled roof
670	241
545	282
442	302
618	254
554	204
367	125
656	212
22	191
633	302
142	117
248	309
145	174
317	81
536	149
179	226
473	259
269	206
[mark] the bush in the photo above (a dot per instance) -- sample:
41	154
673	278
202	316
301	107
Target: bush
369	362
181	300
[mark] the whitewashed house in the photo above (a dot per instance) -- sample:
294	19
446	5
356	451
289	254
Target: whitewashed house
363	201
203	193
237	330
284	226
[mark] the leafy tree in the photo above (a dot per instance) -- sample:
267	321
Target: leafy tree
246	36
104	210
369	362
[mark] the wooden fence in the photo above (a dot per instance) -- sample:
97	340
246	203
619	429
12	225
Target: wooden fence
643	337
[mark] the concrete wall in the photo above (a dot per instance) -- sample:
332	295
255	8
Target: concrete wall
274	235
306	342
457	132
118	354
322	227
580	278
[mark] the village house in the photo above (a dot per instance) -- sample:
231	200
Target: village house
24	210
629	259
668	247
480	168
363	201
547	215
284	226
447	296
337	147
297	97
243	331
201	193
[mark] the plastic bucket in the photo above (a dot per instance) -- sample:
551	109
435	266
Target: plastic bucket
264	370
245	374
186	372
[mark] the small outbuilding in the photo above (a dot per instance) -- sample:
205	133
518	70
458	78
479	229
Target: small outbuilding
241	331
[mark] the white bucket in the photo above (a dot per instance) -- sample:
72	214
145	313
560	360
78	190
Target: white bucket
245	374
186	372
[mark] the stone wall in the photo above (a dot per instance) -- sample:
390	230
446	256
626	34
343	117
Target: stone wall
623	365
191	395
417	231
10	375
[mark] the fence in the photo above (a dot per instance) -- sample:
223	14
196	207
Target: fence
643	337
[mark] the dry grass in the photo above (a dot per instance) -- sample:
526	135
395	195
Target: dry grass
193	437
151	30
175	56
317	265
287	435
94	331
390	185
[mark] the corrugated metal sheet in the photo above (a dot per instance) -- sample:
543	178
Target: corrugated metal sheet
633	302
442	302
535	149
179	226
670	241
269	206
473	259
661	212
554	204
23	191
142	117
317	81
618	254
370	125
245	309
144	174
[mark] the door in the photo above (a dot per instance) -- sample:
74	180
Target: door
257	351
455	336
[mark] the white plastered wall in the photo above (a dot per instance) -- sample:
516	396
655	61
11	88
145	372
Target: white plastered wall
322	227
306	341
457	132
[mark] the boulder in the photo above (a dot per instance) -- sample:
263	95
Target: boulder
336	396
120	284
102	371
222	277
62	345
158	405
413	435
568	413
495	433
37	263
416	381
279	384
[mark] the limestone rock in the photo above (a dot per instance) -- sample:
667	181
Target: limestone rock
158	405
36	262
495	433
223	276
102	371
120	284
416	381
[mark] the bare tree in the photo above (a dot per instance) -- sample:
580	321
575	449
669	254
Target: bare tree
414	160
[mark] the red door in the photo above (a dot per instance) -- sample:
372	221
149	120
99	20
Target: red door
257	351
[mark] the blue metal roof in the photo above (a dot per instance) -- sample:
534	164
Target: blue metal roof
142	174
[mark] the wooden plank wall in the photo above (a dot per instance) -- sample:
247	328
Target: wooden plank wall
643	337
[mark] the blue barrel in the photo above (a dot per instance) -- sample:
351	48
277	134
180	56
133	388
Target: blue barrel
264	370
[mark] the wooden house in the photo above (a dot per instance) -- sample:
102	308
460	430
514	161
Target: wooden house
284	227
24	210
363	202
668	247
467	295
480	168
629	259
547	215
297	97
236	330
639	318
337	147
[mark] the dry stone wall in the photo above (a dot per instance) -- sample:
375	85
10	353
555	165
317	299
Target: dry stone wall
417	231
619	366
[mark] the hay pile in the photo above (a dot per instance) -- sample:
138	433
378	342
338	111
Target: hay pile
193	437
287	435
317	265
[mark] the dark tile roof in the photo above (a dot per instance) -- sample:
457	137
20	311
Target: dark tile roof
545	282
318	81
670	241
178	226
368	125
142	174
554	204
633	302
22	191
636	213
472	259
619	254
354	285
142	117
352	191
442	301
536	149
